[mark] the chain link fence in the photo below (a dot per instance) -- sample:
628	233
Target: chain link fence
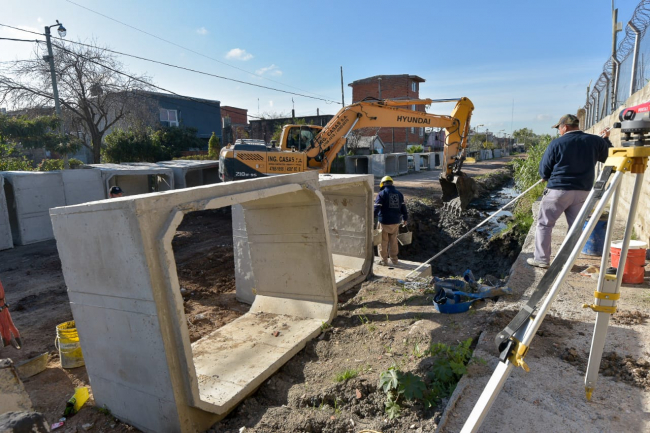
624	74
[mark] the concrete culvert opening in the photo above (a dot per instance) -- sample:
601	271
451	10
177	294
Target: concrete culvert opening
203	251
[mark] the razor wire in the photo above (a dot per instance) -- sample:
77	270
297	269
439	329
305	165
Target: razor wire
599	103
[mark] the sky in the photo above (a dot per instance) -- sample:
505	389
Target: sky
534	56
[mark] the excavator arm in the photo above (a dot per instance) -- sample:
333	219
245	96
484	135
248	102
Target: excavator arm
390	113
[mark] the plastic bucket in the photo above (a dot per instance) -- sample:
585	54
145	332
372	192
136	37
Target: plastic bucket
596	242
635	264
67	341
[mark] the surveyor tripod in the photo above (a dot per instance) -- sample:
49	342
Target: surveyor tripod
514	341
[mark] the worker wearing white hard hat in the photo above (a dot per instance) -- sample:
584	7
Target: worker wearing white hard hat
391	211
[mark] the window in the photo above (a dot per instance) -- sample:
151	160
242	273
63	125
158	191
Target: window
412	130
413	107
421	132
414	86
168	117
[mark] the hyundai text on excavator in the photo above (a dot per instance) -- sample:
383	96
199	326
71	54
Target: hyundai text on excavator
309	147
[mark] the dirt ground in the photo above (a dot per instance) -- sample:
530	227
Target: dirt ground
380	324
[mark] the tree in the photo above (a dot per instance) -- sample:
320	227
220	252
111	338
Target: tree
213	147
525	136
95	92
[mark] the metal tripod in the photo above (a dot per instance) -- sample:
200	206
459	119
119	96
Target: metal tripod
515	339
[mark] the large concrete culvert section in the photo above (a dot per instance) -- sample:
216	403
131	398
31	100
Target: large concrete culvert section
348	202
119	267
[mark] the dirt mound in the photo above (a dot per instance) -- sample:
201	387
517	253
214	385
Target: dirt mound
629	317
626	368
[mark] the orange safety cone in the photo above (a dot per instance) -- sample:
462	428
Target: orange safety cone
7	327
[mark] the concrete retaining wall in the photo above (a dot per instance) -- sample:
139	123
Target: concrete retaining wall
120	271
642	220
30	194
6	240
348	202
135	178
188	174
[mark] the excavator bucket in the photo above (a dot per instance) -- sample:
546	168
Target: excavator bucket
459	191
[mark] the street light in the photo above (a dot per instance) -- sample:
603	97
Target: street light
50	58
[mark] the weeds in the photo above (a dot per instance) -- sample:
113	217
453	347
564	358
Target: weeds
346	375
449	365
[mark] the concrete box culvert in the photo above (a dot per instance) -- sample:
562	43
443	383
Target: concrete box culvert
6	240
119	267
188	174
349	204
135	178
402	163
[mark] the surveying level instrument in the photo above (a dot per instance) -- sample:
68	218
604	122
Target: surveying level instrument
514	340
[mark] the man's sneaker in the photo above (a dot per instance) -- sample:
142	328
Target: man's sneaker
533	262
383	262
395	261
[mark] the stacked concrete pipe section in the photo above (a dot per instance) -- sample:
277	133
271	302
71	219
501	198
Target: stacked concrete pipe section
30	195
6	240
119	268
348	202
135	178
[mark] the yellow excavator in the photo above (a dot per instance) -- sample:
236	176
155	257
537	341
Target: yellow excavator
309	147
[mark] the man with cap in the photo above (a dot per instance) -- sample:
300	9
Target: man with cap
568	168
391	210
115	192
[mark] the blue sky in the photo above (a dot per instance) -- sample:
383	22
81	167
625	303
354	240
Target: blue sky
541	54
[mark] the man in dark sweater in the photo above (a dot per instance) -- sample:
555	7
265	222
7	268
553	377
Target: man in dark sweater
391	210
568	167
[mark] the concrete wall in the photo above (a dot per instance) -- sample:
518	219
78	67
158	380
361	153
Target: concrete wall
642	220
402	163
132	323
348	202
496	153
30	195
6	240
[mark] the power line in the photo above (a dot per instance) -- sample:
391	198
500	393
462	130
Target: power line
328	101
185	48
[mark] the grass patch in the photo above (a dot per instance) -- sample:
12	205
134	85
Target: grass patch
348	374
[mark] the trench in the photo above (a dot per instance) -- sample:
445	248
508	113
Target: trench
487	251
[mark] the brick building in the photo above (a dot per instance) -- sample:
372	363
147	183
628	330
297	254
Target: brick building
234	122
392	87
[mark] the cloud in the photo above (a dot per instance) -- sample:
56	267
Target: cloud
39	19
270	103
238	54
271	70
202	31
543	117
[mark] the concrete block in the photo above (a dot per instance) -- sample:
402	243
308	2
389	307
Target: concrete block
348	202
29	196
13	397
6	240
120	271
135	178
188	173
402	163
496	153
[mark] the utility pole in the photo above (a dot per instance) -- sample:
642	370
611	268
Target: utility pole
55	90
379	81
342	93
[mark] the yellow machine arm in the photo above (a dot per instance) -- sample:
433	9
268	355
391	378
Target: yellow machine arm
390	114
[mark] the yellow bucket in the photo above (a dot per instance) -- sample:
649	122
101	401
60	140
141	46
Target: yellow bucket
67	341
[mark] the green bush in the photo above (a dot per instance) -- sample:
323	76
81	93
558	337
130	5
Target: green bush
149	146
12	160
214	147
57	164
415	149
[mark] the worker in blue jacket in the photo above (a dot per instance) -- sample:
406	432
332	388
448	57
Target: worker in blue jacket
568	168
391	210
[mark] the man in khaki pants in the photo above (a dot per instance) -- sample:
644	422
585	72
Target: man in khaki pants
391	210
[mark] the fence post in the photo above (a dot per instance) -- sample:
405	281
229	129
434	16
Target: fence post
597	106
617	69
635	57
